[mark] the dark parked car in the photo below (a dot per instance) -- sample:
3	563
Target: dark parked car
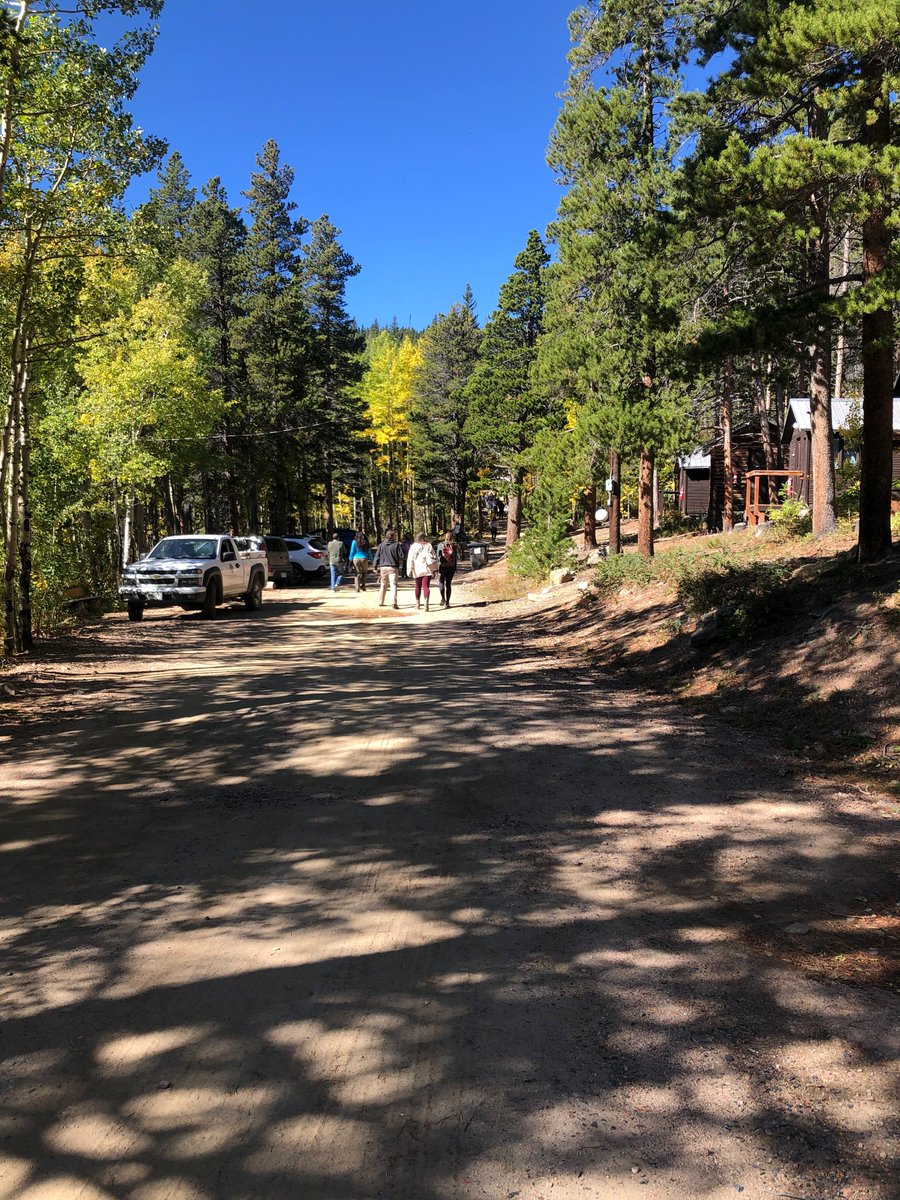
281	572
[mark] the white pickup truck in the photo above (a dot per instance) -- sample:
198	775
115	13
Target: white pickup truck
200	572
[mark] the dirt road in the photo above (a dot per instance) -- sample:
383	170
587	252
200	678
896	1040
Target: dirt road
301	905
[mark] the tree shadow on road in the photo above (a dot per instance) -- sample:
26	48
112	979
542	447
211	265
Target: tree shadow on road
340	912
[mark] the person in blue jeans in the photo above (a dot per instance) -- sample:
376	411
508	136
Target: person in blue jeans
360	561
336	557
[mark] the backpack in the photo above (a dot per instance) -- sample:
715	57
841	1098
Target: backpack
448	552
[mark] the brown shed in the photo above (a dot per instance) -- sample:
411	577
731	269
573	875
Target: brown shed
692	478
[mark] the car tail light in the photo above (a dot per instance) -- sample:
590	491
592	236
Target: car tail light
314	554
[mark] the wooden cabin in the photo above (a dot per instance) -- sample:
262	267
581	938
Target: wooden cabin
701	475
796	438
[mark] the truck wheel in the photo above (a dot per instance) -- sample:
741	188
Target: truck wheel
253	598
135	612
211	599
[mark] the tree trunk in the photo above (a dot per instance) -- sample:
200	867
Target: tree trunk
13	466
877	344
727	450
281	506
590	520
514	510
615	504
169	503
841	353
821	452
26	636
821	458
253	500
762	398
645	504
126	530
328	488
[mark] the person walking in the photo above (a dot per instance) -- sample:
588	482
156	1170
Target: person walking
359	560
337	555
421	564
448	560
493	529
388	560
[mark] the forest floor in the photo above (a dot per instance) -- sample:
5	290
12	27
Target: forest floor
335	902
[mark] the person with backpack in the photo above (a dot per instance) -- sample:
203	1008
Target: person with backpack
359	560
448	560
388	560
421	564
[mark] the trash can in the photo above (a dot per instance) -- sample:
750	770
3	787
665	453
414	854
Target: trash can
478	554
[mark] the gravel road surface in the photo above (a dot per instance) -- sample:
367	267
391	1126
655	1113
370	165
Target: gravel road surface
325	904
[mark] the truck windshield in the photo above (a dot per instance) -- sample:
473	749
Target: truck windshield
184	547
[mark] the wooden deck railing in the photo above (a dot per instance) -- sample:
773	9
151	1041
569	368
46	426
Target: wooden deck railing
755	511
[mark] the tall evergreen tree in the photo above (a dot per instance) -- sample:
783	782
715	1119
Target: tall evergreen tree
215	240
336	358
273	337
166	217
506	409
619	284
441	451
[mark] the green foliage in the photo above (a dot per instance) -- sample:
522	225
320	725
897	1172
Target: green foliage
441	451
506	410
146	391
335	353
541	548
751	592
793	519
620	570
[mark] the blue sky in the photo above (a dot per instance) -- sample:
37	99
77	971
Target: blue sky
420	129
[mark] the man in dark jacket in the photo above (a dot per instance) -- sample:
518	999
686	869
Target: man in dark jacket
388	560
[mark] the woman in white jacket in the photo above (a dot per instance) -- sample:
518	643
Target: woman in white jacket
421	564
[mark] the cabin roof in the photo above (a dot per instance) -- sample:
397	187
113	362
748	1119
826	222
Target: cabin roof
695	461
797	416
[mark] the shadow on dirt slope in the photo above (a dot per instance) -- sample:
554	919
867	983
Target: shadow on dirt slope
332	912
810	657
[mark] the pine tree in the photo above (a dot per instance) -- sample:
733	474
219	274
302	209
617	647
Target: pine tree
215	240
336	359
166	217
273	337
506	409
441	452
619	284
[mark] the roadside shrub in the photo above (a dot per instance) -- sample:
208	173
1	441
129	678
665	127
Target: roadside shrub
751	593
793	519
846	499
673	523
619	570
540	549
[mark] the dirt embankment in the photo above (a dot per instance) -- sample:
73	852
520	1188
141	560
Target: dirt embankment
819	679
